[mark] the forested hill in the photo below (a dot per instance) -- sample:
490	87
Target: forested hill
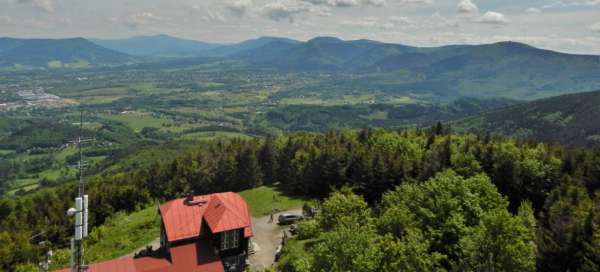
57	53
569	119
330	53
156	46
464	203
504	69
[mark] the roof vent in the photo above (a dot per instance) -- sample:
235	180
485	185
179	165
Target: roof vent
190	201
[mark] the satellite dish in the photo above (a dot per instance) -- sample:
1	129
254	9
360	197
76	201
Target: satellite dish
71	211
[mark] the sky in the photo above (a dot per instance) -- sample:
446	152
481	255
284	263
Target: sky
564	25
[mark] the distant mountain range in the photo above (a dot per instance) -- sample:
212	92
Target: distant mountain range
167	46
239	48
568	119
157	46
506	69
58	53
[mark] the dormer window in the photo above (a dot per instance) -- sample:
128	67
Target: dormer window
230	239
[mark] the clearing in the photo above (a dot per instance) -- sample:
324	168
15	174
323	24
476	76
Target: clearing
125	234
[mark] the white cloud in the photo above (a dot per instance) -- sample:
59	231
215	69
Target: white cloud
572	3
533	10
334	3
353	3
399	20
595	27
466	6
35	23
416	2
378	3
206	14
44	5
64	21
138	19
437	20
4	20
369	22
344	3
492	17
317	2
214	16
287	9
239	7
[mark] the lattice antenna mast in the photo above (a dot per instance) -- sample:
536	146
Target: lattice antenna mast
81	208
81	186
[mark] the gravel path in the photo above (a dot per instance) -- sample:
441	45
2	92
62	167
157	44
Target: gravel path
267	236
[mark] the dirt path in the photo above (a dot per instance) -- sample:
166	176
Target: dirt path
267	236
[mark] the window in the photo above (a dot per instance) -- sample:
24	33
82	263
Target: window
230	239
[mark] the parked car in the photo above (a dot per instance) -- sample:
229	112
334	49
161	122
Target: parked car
288	218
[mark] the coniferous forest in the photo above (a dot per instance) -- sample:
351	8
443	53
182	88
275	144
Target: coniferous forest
392	200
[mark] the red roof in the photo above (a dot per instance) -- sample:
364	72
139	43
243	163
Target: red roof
183	219
116	265
221	212
192	257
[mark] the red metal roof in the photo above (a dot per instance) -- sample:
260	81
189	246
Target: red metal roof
191	257
222	212
227	211
182	221
116	265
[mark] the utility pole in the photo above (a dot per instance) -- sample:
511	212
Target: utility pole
81	209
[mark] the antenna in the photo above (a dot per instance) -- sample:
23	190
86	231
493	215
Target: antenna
81	208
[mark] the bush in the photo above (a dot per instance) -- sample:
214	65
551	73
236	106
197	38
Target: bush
308	229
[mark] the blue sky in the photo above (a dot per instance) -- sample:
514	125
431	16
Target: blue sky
564	25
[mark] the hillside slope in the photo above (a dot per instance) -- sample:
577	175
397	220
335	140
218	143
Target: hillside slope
568	119
58	53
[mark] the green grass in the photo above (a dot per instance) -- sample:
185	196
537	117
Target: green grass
138	120
212	135
55	64
96	159
91	100
25	184
263	200
51	174
122	234
64	153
